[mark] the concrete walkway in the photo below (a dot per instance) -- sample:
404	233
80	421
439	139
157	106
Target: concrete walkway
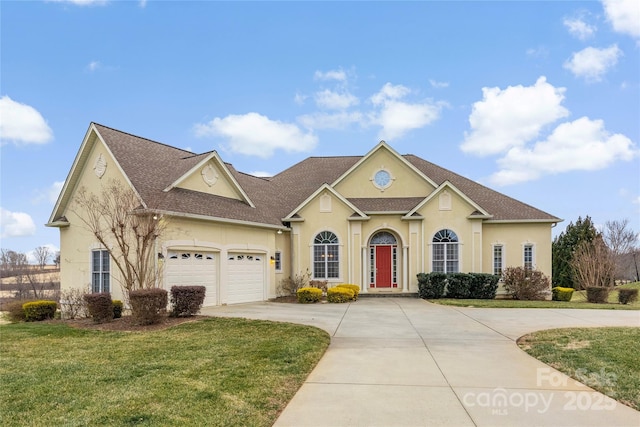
407	362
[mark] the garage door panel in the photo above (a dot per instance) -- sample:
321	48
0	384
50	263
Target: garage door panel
193	268
245	273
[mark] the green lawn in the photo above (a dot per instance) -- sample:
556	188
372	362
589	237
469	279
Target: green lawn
231	372
579	300
606	359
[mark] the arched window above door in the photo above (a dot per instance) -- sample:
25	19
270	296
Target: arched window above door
383	238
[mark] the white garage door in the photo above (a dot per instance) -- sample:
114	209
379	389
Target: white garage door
193	268
245	278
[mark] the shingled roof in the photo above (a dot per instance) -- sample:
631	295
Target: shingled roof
152	166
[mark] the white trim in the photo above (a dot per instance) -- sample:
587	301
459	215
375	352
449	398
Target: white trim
383	144
213	156
453	188
308	200
502	257
313	259
524	245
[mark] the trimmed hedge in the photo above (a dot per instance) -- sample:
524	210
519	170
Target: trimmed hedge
561	294
309	295
148	305
100	306
597	294
626	296
117	308
187	300
338	294
39	310
431	286
15	310
354	288
457	285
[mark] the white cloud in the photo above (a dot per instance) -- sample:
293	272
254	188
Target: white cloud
582	144
624	16
578	28
389	92
592	63
331	100
338	120
261	174
142	4
94	65
509	118
22	124
300	98
538	52
256	135
16	224
83	2
397	117
338	75
437	84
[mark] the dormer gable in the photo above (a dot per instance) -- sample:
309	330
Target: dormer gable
324	194
212	176
444	198
383	173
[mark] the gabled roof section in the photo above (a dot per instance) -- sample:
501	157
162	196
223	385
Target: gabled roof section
213	156
386	205
91	138
324	187
481	213
502	208
382	145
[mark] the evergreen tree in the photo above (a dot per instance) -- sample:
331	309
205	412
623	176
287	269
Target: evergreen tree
564	246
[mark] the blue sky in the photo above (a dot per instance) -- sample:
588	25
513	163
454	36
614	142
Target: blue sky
538	100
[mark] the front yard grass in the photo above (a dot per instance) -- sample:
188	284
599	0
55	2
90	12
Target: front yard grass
605	359
231	372
579	300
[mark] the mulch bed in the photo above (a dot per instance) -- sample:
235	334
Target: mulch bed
125	324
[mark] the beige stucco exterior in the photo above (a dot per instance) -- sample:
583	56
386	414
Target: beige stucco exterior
333	207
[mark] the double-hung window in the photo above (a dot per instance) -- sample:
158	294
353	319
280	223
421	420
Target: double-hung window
498	260
278	261
326	263
528	257
100	276
445	252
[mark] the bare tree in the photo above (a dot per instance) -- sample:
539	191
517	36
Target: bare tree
623	242
125	229
42	255
593	264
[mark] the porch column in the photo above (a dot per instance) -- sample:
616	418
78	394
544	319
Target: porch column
363	259
405	269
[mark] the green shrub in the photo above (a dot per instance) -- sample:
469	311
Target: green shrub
187	300
117	308
100	306
597	294
458	285
626	296
338	294
39	310
525	284
148	305
483	285
14	311
431	285
309	295
561	294
354	288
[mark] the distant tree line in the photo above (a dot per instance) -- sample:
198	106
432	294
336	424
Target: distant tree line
584	256
29	280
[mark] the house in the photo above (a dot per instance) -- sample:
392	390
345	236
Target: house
375	220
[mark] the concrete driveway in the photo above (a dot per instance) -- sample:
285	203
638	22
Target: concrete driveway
407	362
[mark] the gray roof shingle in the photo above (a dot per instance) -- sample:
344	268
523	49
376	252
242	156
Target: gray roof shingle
152	166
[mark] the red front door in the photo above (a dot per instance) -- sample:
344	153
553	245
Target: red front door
383	267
